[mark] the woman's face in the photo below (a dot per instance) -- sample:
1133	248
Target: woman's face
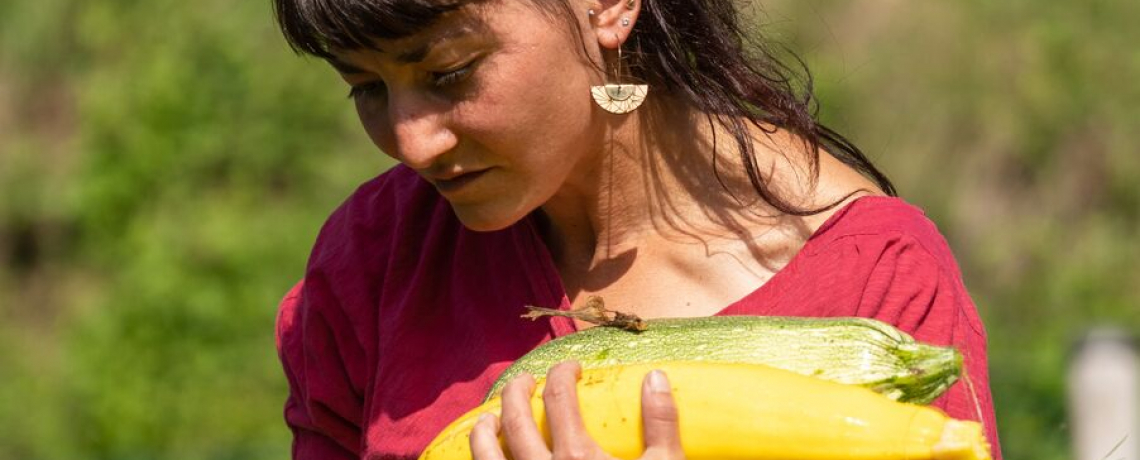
491	105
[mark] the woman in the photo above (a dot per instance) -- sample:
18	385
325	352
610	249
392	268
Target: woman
520	185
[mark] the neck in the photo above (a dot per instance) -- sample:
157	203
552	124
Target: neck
654	180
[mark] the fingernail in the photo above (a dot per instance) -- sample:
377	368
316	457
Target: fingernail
483	417
657	382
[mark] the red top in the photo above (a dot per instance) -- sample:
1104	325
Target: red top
405	318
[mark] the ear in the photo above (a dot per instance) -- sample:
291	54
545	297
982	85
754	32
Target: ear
613	21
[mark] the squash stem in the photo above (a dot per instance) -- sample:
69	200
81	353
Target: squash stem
595	312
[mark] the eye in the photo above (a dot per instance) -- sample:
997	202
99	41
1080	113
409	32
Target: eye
370	89
451	77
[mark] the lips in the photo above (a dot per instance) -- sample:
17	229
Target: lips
455	183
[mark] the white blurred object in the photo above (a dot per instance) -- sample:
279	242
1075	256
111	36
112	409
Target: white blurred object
1104	397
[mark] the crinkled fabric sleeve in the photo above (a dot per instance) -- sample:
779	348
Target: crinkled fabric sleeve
321	409
915	284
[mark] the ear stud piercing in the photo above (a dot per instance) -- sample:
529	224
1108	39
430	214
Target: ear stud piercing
629	5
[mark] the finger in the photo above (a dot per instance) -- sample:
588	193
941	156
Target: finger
485	439
659	417
571	441
521	433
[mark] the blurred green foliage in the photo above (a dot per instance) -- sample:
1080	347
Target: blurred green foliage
165	166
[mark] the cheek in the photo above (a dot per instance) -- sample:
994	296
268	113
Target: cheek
373	116
526	106
534	125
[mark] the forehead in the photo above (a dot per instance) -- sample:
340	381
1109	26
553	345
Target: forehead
468	19
490	19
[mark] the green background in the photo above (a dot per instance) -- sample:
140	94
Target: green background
165	166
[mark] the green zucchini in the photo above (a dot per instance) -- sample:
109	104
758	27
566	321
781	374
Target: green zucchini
856	351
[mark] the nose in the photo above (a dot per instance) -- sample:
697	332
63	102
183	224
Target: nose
420	130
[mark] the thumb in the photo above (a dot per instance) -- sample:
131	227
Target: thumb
659	417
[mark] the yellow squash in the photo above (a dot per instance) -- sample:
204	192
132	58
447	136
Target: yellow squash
748	411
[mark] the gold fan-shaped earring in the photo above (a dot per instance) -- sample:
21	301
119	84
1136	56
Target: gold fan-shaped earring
619	97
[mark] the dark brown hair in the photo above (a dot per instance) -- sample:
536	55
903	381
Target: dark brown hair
695	49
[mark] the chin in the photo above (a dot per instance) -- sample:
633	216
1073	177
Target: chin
483	219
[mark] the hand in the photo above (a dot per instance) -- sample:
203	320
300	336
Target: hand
570	439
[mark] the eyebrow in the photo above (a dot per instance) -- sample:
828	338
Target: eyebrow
344	67
413	56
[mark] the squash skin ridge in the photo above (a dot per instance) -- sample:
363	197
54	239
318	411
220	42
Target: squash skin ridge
857	351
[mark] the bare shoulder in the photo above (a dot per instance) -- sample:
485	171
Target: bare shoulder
831	186
840	185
